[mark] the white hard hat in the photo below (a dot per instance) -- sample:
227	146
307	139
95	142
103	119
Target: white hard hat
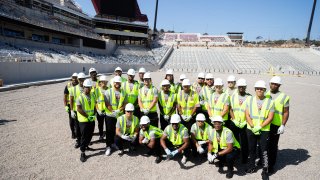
144	120
165	82
92	70
118	69
74	75
200	117
201	75
260	84
129	107
147	76
169	71
87	83
231	78
186	82
81	75
218	82
131	72
103	78
276	80
117	79
182	76
175	118
209	76
241	82
142	70
217	119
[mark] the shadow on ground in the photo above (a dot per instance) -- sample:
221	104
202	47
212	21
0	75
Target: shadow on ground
4	121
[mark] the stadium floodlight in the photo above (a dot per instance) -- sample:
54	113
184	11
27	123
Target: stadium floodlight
155	21
310	23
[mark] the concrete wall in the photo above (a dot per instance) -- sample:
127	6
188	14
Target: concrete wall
13	73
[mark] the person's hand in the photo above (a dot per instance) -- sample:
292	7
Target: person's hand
256	129
175	152
210	157
166	117
168	152
101	113
91	118
281	129
202	102
200	150
67	108
145	141
133	138
242	124
73	114
202	142
126	137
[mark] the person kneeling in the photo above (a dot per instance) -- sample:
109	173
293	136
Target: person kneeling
150	137
224	146
175	139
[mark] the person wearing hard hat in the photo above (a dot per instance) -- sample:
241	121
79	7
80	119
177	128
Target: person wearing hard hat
199	134
150	137
127	129
197	86
231	85
66	101
259	114
117	72
167	103
131	87
179	84
218	104
223	145
116	100
205	95
86	110
175	139
101	105
169	76
281	116
142	71
93	75
148	99
75	92
238	117
188	102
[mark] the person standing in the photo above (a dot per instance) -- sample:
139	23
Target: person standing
205	95
169	76
142	71
231	85
101	105
131	88
117	72
197	86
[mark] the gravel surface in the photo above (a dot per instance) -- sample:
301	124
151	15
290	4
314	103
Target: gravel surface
36	142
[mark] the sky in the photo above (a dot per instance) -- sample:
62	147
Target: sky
271	19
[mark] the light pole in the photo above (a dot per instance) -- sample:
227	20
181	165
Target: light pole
155	21
310	23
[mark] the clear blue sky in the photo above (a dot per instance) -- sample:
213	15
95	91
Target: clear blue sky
271	19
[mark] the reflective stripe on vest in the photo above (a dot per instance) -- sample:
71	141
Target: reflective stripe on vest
204	136
167	105
76	93
278	107
238	111
258	118
217	108
188	106
86	107
148	98
100	100
132	95
206	93
176	139
223	140
157	132
69	87
123	124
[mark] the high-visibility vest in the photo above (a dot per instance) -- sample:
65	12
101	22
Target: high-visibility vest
176	138
157	132
258	118
205	134
95	86
123	124
187	106
234	92
206	93
141	84
76	93
148	98
87	107
112	97
223	140
197	87
238	110
217	108
279	103
100	100
132	95
167	105
69	87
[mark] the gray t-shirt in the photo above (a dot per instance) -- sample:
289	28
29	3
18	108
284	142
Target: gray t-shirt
242	98
229	135
128	124
146	90
79	103
216	97
108	96
260	103
274	97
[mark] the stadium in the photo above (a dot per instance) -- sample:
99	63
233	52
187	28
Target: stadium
42	43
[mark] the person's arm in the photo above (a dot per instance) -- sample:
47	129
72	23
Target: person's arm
153	103
210	147
118	132
248	118
81	111
152	143
140	103
285	115
225	110
209	110
193	139
185	145
65	97
268	120
140	139
71	103
174	107
163	141
232	114
227	150
179	109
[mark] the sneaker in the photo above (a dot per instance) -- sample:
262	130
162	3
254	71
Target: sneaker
132	149
265	175
108	151
251	170
77	145
83	157
121	152
229	174
184	159
158	160
220	170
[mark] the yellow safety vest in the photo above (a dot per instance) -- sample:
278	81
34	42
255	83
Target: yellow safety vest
148	98
195	86
132	95
176	138
87	107
279	103
69	87
114	104
206	93
157	132
217	108
238	110
258	118
123	124
223	140
167	105
76	93
100	100
204	135
188	106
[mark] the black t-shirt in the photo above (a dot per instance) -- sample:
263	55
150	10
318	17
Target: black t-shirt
66	91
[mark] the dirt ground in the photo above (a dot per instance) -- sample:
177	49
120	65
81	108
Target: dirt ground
36	142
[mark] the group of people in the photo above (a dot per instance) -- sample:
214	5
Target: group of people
195	119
